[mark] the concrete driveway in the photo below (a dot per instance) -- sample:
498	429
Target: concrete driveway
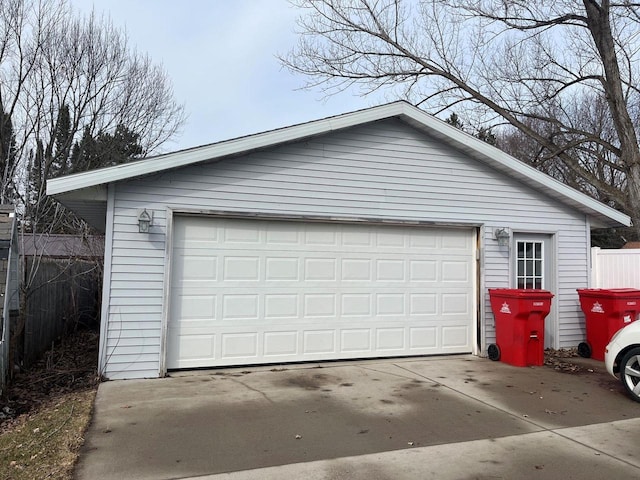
458	417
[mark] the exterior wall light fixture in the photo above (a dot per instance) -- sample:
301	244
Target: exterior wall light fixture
502	235
145	220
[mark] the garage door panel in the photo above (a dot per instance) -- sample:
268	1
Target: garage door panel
359	239
423	304
278	269
320	269
356	270
424	239
241	268
455	271
248	291
356	340
283	234
456	304
240	233
283	343
421	338
319	342
390	304
423	270
356	305
240	345
195	267
319	235
193	307
239	306
456	241
318	305
390	339
284	306
454	336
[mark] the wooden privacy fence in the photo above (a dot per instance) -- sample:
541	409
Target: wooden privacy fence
64	296
618	268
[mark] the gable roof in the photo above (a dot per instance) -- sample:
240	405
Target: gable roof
86	193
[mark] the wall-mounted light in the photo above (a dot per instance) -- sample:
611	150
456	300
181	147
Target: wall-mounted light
502	235
145	220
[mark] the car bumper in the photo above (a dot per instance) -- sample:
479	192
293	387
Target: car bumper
610	355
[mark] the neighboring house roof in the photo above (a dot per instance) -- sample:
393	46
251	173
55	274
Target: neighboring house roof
86	193
7	216
631	245
63	246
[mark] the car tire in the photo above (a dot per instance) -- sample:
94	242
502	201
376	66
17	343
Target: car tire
630	373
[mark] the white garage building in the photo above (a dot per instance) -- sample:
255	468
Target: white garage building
369	234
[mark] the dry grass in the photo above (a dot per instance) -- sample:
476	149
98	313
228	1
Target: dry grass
44	444
53	402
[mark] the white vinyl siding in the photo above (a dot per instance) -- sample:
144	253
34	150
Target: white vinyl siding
383	171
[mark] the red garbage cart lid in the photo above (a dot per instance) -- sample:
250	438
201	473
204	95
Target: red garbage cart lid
610	292
522	293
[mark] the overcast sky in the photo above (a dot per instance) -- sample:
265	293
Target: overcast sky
220	55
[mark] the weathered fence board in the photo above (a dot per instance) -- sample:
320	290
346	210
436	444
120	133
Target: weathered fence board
64	295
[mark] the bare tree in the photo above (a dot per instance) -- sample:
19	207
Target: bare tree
74	95
62	76
533	66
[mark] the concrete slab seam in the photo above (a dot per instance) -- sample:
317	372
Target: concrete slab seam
511	414
526	419
558	432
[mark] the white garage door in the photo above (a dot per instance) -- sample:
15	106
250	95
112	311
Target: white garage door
249	291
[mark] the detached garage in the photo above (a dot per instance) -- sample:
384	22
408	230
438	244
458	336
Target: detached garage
371	234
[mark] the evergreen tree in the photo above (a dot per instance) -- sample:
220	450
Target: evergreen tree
484	134
63	139
104	150
63	156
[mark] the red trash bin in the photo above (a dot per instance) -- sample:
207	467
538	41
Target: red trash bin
519	317
606	311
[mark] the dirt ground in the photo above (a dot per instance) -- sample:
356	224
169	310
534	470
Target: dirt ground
46	410
67	367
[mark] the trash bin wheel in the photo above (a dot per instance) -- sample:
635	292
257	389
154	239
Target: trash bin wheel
494	352
584	350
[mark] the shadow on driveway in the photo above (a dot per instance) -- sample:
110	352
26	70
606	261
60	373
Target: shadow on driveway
210	422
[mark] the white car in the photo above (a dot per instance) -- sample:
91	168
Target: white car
622	358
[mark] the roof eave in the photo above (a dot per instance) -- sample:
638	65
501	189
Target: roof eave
92	180
223	149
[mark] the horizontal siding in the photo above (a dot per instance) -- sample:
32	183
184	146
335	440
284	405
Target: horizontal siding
382	171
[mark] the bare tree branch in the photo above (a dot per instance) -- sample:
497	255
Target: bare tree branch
562	73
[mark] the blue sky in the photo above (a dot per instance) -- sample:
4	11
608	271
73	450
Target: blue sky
220	55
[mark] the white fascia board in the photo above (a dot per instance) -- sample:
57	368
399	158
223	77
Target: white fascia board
169	161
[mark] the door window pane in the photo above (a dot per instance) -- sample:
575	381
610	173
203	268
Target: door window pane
530	266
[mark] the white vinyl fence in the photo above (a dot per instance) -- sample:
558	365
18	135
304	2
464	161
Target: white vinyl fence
615	268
